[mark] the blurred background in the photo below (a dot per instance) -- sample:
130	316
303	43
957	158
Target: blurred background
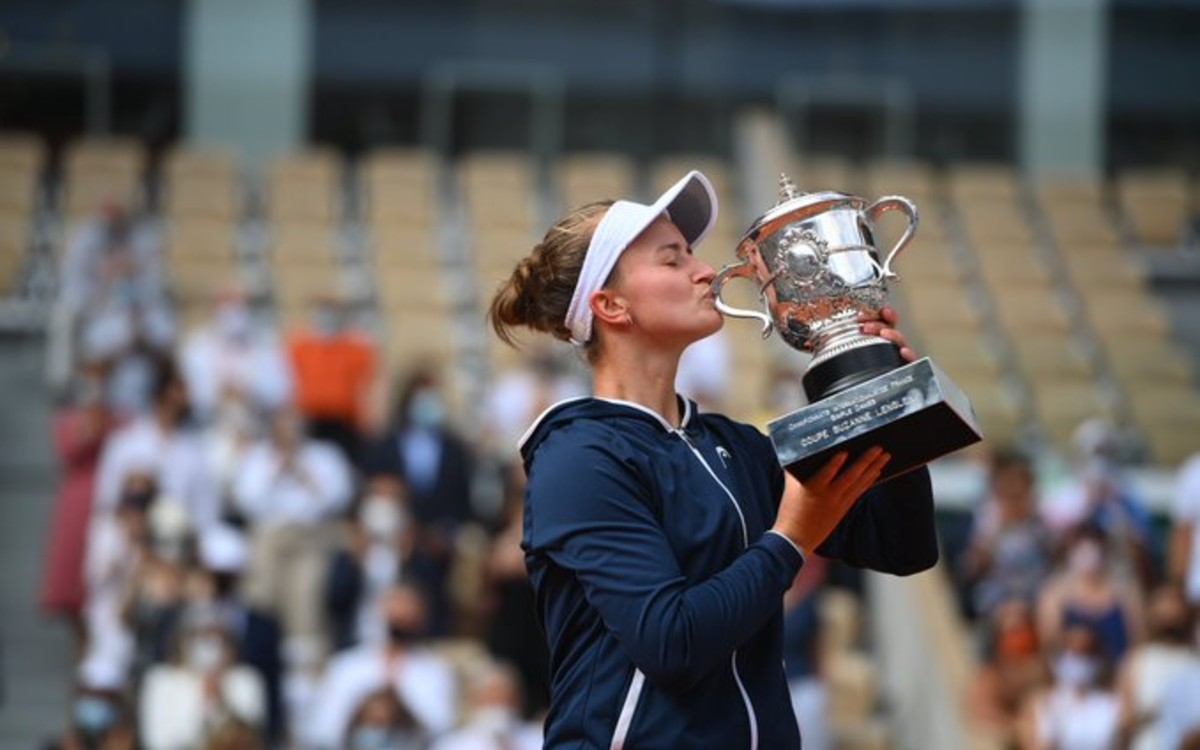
257	470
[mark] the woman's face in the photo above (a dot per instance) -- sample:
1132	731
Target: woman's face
667	289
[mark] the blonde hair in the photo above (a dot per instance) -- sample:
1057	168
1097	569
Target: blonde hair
538	293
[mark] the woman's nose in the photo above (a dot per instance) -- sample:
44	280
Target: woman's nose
705	273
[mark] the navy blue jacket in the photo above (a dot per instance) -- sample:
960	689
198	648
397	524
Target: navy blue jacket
657	583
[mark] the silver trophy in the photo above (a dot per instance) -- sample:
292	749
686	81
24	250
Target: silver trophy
818	272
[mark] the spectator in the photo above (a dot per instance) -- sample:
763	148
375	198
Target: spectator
512	632
382	723
111	273
290	489
379	545
1099	495
1079	711
801	653
493	714
704	372
1185	533
99	719
184	703
1179	721
117	544
1011	550
437	466
1153	666
164	445
80	431
423	682
235	356
334	366
1012	668
519	396
255	635
1091	594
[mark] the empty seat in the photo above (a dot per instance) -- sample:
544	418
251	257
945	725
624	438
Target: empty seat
911	179
201	184
979	184
404	246
1028	310
414	289
590	177
304	243
936	310
305	187
963	354
1061	192
989	223
102	171
201	241
400	186
22	160
1155	203
14	247
1040	356
1062	404
499	189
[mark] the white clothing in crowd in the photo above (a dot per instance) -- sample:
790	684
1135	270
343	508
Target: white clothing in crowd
1180	715
1071	720
423	681
1153	669
111	564
175	458
493	729
235	353
174	712
1187	516
311	486
519	397
703	374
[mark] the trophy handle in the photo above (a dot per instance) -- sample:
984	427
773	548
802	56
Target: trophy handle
893	203
741	269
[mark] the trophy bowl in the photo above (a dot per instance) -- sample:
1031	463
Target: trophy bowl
819	274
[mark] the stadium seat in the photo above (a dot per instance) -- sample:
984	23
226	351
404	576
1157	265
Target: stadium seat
404	246
22	161
305	187
584	178
499	190
201	184
399	187
97	171
1155	203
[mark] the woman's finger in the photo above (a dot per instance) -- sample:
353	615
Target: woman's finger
854	470
869	477
827	472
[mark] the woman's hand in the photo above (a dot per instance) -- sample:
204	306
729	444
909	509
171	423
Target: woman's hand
811	511
885	328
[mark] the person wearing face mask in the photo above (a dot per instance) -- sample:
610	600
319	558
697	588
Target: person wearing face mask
183	704
493	714
422	680
1079	711
164	444
99	718
1090	593
379	542
382	723
436	466
234	355
1011	548
335	367
290	488
1151	668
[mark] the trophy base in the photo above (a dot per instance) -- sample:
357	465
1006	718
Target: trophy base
914	412
850	368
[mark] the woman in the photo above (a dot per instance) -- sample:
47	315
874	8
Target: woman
660	541
80	432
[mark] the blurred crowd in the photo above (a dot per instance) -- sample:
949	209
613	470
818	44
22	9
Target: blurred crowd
1085	603
259	541
255	550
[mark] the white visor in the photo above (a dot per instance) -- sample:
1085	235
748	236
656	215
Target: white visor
690	204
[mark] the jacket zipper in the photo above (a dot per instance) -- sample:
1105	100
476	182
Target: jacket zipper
750	714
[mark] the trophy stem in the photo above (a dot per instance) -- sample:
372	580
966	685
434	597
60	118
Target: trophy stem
848	369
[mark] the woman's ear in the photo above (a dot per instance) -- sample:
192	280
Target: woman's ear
610	307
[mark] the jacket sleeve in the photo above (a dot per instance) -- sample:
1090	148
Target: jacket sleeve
890	529
590	512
